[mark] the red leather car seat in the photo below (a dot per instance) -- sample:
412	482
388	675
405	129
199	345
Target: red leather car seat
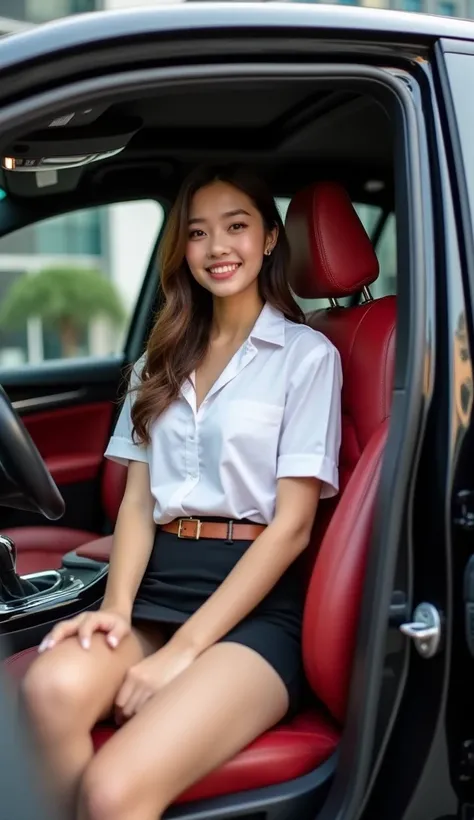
332	257
40	548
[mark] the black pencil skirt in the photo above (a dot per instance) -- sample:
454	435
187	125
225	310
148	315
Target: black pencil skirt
181	575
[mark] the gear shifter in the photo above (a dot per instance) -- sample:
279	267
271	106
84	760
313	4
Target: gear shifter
12	585
10	544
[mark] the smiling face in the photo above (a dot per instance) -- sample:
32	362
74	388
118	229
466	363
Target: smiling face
227	239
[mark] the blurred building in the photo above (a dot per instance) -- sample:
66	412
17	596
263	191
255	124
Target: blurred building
10	26
450	8
39	11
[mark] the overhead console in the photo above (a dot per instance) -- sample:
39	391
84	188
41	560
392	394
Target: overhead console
53	155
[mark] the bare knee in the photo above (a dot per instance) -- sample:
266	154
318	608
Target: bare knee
103	796
106	797
52	692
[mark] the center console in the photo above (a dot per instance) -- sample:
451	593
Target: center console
21	596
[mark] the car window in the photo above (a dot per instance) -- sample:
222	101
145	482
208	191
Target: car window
460	69
282	203
69	284
385	249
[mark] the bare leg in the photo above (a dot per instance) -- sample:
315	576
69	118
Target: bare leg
216	707
67	690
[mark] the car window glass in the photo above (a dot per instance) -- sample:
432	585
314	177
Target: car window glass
460	68
69	284
282	203
369	215
386	249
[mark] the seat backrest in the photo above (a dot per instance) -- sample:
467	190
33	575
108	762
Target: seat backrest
332	257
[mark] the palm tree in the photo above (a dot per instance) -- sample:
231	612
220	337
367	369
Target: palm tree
64	298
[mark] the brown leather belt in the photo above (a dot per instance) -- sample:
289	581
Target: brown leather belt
225	530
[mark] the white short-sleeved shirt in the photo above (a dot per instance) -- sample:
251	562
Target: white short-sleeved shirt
274	412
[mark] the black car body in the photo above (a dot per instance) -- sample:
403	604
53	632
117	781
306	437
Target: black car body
380	102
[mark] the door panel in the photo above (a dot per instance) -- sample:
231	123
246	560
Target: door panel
69	412
72	440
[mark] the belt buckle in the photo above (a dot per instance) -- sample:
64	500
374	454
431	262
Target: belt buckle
196	521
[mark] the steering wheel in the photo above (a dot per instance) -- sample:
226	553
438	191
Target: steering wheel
25	481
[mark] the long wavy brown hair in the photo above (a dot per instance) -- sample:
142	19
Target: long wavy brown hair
180	336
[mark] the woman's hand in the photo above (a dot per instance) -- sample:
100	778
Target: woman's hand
146	678
114	625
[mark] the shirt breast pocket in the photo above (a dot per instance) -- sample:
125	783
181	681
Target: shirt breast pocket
252	431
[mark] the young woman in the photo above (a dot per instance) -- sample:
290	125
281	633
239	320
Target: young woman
231	433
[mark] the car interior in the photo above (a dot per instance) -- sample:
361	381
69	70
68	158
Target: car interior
327	150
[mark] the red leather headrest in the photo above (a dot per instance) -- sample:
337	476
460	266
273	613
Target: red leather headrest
331	254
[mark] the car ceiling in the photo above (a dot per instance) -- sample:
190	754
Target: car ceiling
293	132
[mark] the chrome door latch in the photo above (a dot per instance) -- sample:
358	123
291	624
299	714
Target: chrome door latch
425	630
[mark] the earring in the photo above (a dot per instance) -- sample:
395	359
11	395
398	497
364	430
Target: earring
268	252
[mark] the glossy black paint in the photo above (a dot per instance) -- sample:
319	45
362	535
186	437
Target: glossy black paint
384	31
109	27
453	111
420	745
21	633
200	30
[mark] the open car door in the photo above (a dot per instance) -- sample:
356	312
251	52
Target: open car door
382	552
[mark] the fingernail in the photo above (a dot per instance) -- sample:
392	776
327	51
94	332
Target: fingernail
46	643
85	643
113	640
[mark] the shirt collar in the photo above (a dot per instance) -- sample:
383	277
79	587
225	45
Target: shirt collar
270	326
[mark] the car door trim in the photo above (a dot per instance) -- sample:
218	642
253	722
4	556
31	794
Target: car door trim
52	400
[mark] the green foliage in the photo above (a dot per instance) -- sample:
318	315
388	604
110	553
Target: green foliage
62	295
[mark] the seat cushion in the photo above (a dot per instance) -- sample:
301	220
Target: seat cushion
40	548
288	751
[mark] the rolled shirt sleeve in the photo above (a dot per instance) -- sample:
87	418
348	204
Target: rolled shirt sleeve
121	448
311	432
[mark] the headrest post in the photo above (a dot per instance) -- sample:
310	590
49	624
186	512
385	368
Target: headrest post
367	294
333	302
